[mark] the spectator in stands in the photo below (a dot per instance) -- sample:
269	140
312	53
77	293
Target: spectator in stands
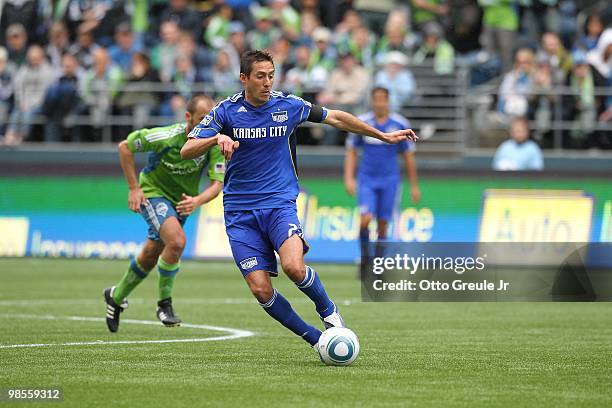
350	21
283	59
435	50
218	28
185	77
544	97
124	48
361	43
22	12
182	13
286	18
138	96
426	11
517	85
85	46
309	23
100	86
346	89
323	54
559	59
395	39
303	79
397	79
539	16
61	100
59	43
581	105
593	28
164	54
224	79
17	44
600	58
265	33
30	85
6	89
518	153
202	58
500	23
236	44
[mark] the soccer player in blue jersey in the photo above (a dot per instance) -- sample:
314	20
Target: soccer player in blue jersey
255	130
378	177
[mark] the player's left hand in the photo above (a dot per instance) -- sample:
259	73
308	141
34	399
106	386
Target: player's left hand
187	205
399	135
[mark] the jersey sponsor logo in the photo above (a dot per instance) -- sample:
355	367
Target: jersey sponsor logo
220	168
242	109
280	117
161	209
248	263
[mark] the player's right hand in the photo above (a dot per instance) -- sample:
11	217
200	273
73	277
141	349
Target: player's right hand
399	135
350	186
136	198
227	146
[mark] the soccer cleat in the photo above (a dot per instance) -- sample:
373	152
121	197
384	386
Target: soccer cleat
333	320
113	310
165	313
315	347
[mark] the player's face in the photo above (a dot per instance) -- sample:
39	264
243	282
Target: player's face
202	109
380	103
258	85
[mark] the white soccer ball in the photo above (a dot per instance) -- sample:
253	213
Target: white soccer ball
338	346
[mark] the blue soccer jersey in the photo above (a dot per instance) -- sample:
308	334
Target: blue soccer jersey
263	170
379	159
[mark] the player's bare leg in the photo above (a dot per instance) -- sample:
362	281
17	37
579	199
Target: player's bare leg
306	279
173	237
278	307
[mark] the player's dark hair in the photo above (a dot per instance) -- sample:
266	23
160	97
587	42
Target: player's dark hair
195	99
250	57
380	89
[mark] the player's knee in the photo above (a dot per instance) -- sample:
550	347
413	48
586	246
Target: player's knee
296	271
262	291
176	243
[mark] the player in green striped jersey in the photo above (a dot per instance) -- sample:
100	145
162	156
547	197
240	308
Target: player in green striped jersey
165	193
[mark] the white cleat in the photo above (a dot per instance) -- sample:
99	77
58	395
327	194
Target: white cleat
333	320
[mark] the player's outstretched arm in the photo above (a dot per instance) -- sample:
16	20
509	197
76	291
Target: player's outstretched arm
349	123
196	147
126	158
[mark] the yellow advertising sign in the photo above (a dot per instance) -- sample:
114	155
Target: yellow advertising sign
13	236
211	241
536	216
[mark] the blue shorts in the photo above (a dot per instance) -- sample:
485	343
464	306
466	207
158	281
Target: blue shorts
378	197
254	235
156	213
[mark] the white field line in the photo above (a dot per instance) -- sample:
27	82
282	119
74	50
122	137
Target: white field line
233	333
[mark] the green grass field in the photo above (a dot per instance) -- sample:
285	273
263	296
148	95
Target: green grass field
412	354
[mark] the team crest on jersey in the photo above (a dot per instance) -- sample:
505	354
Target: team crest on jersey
280	117
138	145
161	209
248	263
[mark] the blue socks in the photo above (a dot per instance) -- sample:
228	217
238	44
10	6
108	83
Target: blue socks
279	308
313	288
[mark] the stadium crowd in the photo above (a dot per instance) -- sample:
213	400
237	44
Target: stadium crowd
65	59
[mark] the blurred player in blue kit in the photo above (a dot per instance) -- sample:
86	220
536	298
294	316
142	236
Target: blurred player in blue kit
255	130
378	186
